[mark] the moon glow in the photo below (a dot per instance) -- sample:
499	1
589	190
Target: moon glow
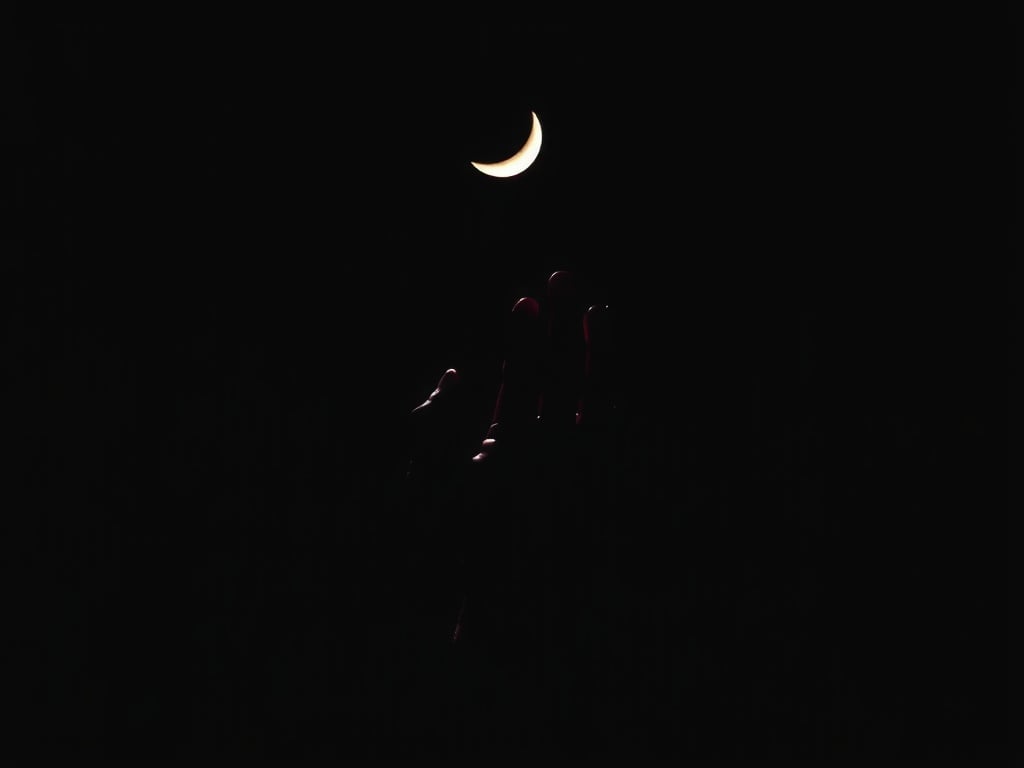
520	161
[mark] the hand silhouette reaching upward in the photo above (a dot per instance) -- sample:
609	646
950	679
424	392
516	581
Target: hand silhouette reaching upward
506	523
557	375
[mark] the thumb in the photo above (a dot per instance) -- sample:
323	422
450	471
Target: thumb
439	428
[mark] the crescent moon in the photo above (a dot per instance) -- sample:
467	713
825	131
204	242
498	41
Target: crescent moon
520	161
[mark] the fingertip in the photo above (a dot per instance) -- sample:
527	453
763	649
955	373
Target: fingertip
561	284
448	379
526	307
523	328
561	289
595	319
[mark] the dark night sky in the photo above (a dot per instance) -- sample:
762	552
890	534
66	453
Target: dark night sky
238	248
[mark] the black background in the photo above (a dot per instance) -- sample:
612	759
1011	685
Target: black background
239	246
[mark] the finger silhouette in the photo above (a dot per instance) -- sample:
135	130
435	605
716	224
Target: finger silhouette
564	354
515	407
600	368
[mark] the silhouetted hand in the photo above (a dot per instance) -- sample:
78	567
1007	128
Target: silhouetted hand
510	529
